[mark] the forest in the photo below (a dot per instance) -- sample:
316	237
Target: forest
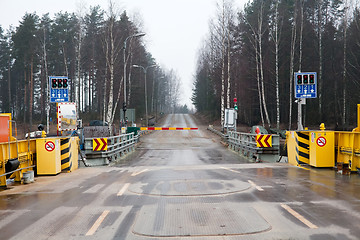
90	47
253	53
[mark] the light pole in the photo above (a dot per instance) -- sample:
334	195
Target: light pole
157	97
129	37
145	71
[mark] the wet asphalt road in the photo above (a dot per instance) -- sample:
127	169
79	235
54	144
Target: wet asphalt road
184	185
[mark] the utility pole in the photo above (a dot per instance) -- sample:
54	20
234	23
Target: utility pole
145	72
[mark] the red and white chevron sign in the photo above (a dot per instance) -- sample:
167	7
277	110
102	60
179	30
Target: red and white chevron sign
264	141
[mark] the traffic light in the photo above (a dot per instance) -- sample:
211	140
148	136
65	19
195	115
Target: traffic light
235	104
306	79
54	83
124	106
312	79
59	83
299	79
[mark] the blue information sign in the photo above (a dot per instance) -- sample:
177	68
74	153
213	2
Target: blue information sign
59	91
306	85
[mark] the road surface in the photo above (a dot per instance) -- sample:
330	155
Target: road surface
184	185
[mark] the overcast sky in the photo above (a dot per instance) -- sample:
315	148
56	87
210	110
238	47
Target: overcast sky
174	28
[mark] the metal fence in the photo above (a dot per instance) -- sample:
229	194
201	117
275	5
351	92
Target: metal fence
117	147
213	130
245	144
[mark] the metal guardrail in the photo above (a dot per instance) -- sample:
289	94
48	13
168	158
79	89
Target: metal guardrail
213	130
245	144
117	147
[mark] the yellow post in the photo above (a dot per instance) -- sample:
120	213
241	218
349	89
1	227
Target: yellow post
357	129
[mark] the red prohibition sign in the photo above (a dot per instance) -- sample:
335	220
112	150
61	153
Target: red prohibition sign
321	141
50	146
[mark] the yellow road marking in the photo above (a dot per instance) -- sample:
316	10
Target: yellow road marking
123	189
255	186
137	173
97	224
299	216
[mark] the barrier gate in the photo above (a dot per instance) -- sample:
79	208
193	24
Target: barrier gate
323	148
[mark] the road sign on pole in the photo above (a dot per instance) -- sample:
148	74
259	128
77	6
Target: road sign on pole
59	91
305	85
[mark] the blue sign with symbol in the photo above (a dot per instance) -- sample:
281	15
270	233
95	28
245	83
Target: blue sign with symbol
306	85
59	91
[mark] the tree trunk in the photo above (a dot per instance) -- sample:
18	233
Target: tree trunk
344	63
261	65
47	100
277	42
78	72
301	33
130	57
292	55
223	68
31	102
106	79
258	84
111	70
228	70
9	86
320	82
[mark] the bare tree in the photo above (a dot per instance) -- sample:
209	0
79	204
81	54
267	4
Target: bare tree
113	49
346	12
80	33
292	56
276	36
258	33
320	35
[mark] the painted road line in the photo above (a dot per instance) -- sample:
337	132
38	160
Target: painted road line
97	224
137	173
298	216
255	186
123	189
229	169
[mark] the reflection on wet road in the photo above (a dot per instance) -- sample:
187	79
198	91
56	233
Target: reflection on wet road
184	185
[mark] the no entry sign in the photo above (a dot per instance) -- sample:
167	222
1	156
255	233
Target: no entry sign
321	141
50	146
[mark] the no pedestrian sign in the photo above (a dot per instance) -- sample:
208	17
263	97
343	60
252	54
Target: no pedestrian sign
321	141
50	146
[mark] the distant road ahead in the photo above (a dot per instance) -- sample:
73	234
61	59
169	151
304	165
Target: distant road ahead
184	185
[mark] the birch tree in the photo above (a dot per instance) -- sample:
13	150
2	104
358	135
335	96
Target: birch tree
113	49
345	22
276	36
292	56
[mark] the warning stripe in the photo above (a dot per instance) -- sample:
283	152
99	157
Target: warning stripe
99	144
302	147
66	163
165	128
264	141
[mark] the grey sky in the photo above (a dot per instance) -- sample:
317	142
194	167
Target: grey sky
174	28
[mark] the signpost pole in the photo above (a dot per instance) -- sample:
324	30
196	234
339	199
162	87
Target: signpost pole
301	101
